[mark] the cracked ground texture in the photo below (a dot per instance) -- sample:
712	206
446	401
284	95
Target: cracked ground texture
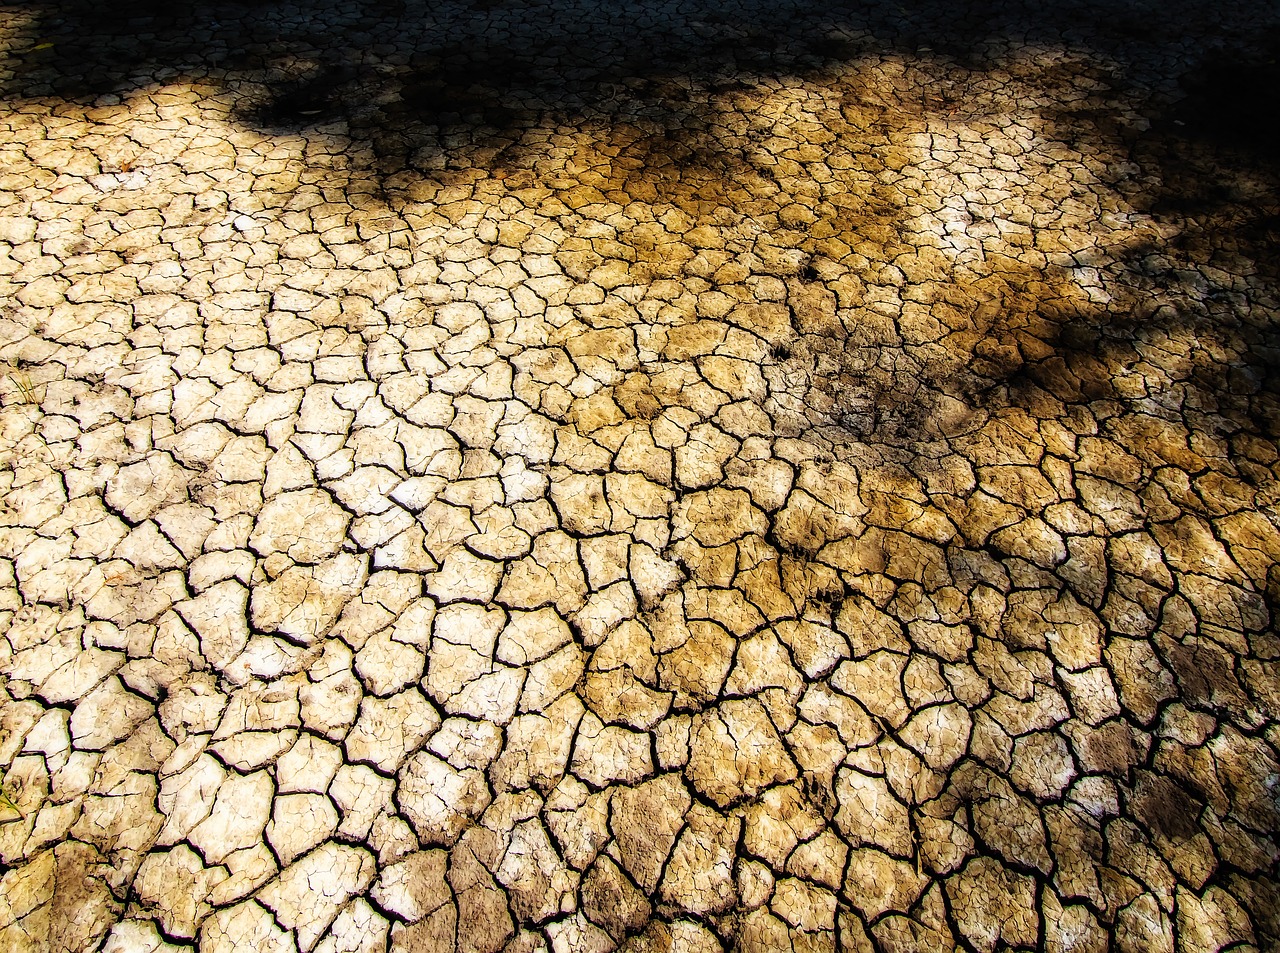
657	476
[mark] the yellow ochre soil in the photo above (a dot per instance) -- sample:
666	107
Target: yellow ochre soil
570	476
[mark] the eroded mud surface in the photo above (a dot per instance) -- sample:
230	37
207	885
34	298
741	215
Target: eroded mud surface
668	476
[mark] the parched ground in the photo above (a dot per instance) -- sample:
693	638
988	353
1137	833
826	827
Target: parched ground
656	476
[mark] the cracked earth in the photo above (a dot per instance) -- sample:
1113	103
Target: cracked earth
665	476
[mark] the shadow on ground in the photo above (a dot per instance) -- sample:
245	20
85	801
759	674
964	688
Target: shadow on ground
438	90
1176	103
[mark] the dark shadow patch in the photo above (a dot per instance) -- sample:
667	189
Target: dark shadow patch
1231	102
428	91
307	101
1165	809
